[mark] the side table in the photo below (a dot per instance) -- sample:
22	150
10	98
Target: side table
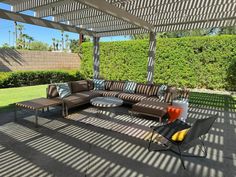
36	105
184	105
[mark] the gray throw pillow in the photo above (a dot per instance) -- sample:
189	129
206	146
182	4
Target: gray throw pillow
130	87
63	89
99	84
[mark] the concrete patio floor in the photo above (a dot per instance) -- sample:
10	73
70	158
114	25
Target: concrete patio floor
113	145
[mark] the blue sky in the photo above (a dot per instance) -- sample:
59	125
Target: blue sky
38	33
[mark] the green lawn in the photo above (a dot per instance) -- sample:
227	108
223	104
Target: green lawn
13	95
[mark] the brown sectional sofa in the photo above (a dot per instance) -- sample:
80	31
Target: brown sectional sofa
143	101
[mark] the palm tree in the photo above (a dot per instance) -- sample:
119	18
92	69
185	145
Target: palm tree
57	44
19	39
62	40
24	38
67	42
30	39
54	44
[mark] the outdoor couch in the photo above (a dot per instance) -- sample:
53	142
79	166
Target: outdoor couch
144	100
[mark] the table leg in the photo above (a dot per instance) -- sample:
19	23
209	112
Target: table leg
15	113
36	118
48	109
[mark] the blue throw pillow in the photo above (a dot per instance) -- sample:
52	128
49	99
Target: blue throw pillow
63	90
99	84
130	87
161	92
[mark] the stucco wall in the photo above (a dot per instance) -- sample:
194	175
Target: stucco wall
18	60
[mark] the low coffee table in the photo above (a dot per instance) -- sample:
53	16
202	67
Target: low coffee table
36	105
106	102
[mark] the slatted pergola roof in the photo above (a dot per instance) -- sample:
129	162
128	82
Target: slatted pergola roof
123	17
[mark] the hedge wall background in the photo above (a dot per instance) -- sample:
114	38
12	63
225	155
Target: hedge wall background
195	62
28	78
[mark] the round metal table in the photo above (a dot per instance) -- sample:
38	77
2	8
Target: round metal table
106	102
106	105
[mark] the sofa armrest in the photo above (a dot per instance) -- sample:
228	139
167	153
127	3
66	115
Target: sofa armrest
183	93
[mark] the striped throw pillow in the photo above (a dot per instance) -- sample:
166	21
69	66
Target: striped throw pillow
161	92
99	84
63	90
130	87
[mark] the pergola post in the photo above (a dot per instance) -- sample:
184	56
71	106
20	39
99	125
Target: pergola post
151	57
96	61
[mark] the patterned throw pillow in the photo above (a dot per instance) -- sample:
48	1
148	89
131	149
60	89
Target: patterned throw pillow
130	87
63	89
99	84
161	92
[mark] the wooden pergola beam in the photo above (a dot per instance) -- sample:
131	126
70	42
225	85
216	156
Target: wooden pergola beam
119	13
5	14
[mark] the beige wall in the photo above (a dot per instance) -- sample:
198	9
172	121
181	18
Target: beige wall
17	60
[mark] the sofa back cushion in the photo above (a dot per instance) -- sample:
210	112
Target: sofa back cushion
79	86
171	94
108	84
143	89
117	86
90	84
154	90
52	91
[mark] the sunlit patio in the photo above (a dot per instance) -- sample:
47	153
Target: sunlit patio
107	143
114	142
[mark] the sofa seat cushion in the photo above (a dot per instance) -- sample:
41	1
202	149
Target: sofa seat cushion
129	97
106	93
154	98
57	99
89	94
155	108
75	100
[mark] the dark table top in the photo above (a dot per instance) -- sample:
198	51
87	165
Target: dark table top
38	103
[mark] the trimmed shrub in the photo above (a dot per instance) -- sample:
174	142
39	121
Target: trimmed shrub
195	62
28	78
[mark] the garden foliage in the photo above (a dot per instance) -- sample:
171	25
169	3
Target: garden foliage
195	62
27	78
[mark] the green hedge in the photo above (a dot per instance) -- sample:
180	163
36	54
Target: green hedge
27	78
195	62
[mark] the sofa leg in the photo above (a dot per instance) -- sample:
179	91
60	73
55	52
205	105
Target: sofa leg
63	110
66	111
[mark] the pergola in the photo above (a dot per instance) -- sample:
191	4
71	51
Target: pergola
99	18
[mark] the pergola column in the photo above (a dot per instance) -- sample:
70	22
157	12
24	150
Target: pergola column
151	57
96	54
